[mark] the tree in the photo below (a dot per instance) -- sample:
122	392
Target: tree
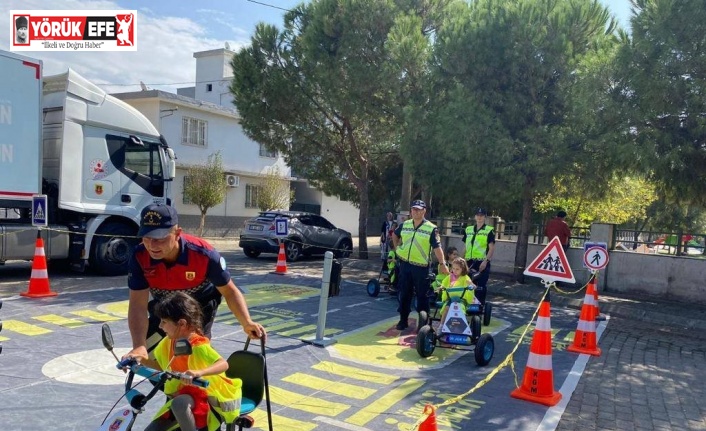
512	81
323	92
205	186
274	192
625	200
661	86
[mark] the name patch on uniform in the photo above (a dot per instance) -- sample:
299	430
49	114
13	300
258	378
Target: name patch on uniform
223	263
190	275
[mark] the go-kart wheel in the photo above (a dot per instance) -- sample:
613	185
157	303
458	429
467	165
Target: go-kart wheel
487	311
426	341
484	350
423	319
475	328
373	287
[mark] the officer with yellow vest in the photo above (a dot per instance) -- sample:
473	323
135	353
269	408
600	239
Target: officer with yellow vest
480	246
414	241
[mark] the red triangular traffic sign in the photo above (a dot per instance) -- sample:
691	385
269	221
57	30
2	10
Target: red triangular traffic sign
551	264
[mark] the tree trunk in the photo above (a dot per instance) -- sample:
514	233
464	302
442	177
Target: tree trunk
406	194
363	221
525	226
202	223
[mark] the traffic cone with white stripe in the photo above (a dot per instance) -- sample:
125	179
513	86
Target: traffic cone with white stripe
39	280
281	260
597	312
429	423
538	381
585	338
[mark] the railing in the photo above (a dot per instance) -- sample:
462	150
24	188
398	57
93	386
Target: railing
652	242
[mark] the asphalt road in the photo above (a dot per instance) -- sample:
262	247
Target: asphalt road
371	378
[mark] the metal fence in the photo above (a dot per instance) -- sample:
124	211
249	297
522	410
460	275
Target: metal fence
669	243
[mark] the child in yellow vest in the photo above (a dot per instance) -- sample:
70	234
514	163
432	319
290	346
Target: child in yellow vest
189	406
459	279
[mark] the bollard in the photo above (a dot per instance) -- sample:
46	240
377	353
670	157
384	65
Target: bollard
320	340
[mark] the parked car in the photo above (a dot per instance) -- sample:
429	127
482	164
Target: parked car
307	234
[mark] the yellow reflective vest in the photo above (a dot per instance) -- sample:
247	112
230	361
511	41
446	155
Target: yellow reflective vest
415	247
224	394
477	242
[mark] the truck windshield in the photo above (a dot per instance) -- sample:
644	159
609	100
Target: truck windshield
142	163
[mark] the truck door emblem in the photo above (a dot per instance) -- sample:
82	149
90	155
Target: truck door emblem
99	189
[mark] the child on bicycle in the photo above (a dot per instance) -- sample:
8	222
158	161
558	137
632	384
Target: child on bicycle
457	278
191	406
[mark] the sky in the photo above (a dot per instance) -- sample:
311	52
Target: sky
169	32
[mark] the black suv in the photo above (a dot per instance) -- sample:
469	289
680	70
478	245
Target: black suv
307	234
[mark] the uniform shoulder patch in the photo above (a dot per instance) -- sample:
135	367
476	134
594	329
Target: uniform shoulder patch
223	263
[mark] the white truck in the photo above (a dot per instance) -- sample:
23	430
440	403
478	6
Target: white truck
98	160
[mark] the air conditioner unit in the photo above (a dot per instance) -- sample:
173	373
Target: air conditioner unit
232	180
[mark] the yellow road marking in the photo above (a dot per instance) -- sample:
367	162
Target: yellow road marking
299	330
279	422
306	403
379	406
4	338
334	387
270	320
24	328
118	308
101	317
283	325
60	320
355	373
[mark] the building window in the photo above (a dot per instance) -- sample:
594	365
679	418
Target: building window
264	152
194	132
184	199
209	87
251	193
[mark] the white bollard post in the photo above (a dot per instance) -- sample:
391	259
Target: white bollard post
320	340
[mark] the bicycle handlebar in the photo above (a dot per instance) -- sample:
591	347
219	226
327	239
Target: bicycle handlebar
155	375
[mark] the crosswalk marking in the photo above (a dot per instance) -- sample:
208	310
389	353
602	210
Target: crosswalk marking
60	320
3	338
283	325
354	373
334	387
280	422
24	328
306	403
297	331
94	315
373	410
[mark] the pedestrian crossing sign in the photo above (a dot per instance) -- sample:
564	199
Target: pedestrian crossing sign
39	210
551	264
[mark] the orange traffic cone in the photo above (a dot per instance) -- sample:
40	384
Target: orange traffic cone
39	280
585	338
597	312
281	261
429	423
538	381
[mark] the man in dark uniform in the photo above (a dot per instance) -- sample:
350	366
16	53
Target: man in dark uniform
168	261
414	242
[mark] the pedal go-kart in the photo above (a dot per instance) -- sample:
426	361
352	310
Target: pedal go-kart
246	365
386	283
456	331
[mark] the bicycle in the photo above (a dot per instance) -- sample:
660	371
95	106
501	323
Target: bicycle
253	388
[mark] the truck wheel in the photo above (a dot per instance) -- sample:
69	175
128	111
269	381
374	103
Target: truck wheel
112	248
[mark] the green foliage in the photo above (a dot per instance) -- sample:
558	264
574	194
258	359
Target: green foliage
274	192
206	186
624	200
661	87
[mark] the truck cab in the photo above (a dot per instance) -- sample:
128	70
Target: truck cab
101	163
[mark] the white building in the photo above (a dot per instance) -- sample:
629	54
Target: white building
201	120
